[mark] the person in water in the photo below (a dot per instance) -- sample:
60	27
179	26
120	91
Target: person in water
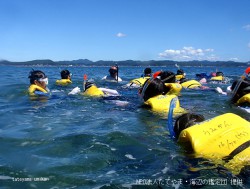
169	79
240	88
154	94
165	76
38	83
138	82
223	139
180	74
152	88
113	74
65	78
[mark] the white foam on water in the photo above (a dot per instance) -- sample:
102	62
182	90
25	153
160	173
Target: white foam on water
129	156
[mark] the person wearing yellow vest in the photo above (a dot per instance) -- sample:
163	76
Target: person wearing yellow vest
138	82
154	94
180	74
65	78
224	139
38	84
113	75
169	79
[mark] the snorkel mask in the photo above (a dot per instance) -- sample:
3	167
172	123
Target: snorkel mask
45	80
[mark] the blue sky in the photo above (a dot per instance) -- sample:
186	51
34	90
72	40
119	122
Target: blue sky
116	30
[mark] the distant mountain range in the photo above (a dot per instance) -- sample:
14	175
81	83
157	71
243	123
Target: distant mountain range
86	62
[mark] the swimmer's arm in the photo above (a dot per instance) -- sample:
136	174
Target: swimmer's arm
40	93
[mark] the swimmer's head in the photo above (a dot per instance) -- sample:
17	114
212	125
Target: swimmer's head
65	74
88	85
180	72
113	70
36	75
153	87
165	76
185	121
147	72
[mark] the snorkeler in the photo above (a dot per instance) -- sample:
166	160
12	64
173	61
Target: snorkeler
113	74
38	83
65	78
180	74
138	82
225	139
154	94
169	79
239	91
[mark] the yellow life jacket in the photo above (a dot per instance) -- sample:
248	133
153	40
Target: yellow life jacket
244	99
217	78
191	84
63	82
175	88
218	137
139	81
33	88
93	91
161	104
179	77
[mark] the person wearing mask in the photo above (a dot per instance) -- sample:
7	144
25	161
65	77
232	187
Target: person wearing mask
65	78
38	84
113	75
224	139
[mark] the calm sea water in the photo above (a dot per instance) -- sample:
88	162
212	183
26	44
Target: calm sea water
80	142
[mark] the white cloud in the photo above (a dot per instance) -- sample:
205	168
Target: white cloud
120	34
188	53
234	59
246	27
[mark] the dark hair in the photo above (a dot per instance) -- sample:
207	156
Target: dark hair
167	77
185	121
243	89
155	87
65	74
183	80
219	74
147	71
88	85
35	75
180	72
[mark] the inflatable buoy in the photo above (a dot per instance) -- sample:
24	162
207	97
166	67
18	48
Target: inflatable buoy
161	104
63	82
93	91
225	137
191	84
33	88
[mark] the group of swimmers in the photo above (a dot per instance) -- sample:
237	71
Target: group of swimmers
225	138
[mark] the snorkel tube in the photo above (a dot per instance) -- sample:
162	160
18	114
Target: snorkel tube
170	117
84	82
117	77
